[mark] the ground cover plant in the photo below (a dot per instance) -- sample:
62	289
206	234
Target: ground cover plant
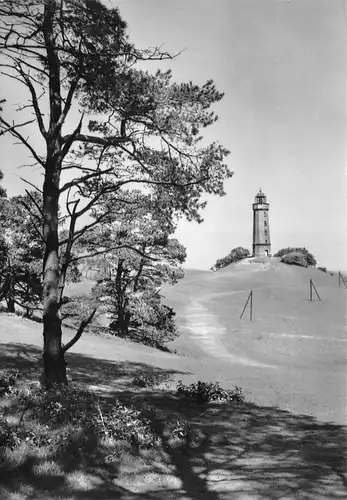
148	379
194	445
206	392
7	381
57	417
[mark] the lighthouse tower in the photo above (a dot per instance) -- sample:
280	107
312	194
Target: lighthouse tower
261	228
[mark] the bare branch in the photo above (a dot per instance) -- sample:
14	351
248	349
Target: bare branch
103	141
85	178
36	204
163	183
71	138
32	185
84	323
15	133
33	223
108	250
11	128
68	102
35	102
92	201
26	306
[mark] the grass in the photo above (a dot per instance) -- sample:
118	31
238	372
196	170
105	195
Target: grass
253	449
243	449
289	340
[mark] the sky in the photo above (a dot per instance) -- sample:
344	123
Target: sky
282	67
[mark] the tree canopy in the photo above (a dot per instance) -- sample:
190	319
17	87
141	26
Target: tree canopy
133	129
22	250
136	253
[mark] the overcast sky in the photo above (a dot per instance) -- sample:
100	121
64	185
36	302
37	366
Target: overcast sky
282	66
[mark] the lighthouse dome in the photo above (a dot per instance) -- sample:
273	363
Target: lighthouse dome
260	197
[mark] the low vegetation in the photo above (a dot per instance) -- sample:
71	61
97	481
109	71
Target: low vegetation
7	381
148	379
235	255
295	259
71	421
298	256
206	392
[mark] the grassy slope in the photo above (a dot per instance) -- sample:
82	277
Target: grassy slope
304	343
292	355
249	446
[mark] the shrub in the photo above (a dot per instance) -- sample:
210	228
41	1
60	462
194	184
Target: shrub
323	269
149	379
311	261
204	392
7	381
235	255
9	437
295	259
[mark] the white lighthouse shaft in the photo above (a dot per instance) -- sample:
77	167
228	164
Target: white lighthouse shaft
261	226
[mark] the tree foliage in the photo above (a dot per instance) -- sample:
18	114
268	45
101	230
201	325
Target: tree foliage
135	255
307	257
146	130
2	189
236	254
21	252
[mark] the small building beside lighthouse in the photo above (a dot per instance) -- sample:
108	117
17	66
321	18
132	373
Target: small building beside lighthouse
261	227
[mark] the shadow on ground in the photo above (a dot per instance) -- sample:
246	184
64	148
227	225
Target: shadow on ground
244	451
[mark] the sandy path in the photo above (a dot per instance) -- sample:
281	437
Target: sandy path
206	332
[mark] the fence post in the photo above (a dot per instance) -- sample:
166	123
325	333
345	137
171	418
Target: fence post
243	311
251	308
342	278
315	289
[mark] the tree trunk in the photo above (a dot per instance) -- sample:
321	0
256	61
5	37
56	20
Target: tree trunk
10	292
53	356
10	304
121	324
54	366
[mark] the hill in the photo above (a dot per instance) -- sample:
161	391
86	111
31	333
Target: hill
292	356
293	351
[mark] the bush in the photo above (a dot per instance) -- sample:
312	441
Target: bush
295	259
9	437
7	381
205	392
323	269
149	379
310	260
235	255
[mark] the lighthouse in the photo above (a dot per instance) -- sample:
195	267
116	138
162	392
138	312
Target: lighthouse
261	227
